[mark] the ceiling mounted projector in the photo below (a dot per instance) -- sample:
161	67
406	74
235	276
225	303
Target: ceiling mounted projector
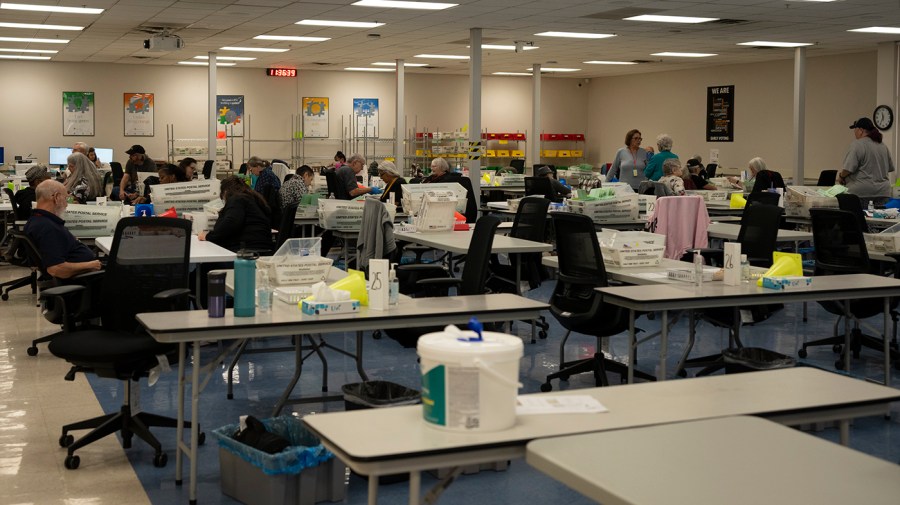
164	43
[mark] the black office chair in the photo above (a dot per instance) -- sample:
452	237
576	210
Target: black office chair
852	203
106	186
711	170
335	188
577	305
242	169
288	177
18	254
115	169
840	249
153	254
286	228
763	197
827	178
540	186
518	164
207	168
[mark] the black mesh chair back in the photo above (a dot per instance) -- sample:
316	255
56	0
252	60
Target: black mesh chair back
763	197
116	168
286	228
519	165
759	233
539	186
827	178
207	169
472	202
147	256
288	177
531	219
711	170
839	243
475	270
242	169
852	203
20	213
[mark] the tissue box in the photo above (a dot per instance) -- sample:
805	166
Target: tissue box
787	282
314	308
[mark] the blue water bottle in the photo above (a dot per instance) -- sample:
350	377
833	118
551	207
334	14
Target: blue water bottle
245	284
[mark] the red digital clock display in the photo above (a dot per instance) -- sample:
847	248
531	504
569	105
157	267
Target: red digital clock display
281	72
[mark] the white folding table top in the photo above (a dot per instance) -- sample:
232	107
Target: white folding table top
202	251
458	242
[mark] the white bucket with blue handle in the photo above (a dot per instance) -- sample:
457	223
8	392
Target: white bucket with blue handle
469	383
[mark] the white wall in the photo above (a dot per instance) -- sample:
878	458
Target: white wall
839	90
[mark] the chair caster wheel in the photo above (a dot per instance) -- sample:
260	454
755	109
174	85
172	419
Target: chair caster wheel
4	296
72	462
542	334
65	440
32	351
802	353
837	348
564	378
546	387
230	396
160	460
682	373
376	334
840	365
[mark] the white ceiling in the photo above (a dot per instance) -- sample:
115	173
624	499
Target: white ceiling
116	35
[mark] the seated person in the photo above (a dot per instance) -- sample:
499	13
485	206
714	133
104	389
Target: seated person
696	171
83	183
560	191
100	164
292	191
686	178
244	221
440	172
129	191
63	255
393	180
25	197
189	167
267	182
347	173
762	179
672	176
165	175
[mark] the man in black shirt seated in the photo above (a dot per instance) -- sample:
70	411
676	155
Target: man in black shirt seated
62	254
25	197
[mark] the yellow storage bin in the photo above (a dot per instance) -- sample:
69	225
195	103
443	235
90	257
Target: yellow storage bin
503	153
577	154
420	152
565	154
517	153
549	153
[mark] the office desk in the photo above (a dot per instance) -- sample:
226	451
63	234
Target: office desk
195	325
655	274
685	296
397	440
730	231
722	208
734	460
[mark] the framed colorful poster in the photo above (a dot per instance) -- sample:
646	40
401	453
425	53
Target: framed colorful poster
78	113
231	114
315	117
138	109
720	114
365	117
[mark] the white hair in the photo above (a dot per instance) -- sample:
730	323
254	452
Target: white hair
356	157
441	164
670	165
757	164
664	142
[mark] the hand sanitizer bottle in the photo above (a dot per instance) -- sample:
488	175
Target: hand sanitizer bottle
698	268
745	269
393	286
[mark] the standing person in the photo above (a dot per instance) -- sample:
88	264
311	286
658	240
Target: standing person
84	183
393	180
347	177
138	161
630	161
654	168
867	164
292	190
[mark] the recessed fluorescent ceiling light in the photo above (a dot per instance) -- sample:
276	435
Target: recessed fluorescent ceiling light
685	55
600	62
557	69
764	43
368	69
230	58
37	41
502	47
23	57
670	19
442	56
398	4
50	8
291	38
511	73
206	63
576	35
41	27
394	64
877	29
37	51
339	24
255	49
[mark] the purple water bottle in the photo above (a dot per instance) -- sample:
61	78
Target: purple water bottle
216	292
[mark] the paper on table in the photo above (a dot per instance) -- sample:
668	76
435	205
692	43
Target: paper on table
568	404
652	275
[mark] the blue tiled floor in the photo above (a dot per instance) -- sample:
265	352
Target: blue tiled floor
260	379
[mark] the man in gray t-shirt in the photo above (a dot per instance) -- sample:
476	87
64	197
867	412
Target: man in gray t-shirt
347	177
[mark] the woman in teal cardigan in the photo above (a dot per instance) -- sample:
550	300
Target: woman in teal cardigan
654	168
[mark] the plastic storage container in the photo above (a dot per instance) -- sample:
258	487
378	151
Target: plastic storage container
303	474
751	359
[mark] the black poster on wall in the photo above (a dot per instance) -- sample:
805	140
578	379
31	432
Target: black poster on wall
720	114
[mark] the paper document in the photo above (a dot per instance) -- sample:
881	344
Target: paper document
569	404
652	275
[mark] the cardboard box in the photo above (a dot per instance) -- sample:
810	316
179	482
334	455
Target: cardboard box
799	199
314	308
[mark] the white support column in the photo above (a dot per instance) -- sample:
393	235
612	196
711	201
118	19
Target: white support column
475	106
534	150
400	137
799	112
886	93
211	134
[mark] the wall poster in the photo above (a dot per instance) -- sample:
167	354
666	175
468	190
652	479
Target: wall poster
720	114
315	117
231	114
365	115
78	113
138	109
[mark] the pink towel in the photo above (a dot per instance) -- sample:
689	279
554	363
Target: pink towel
683	220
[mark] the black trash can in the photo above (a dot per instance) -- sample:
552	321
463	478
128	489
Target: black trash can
378	394
752	359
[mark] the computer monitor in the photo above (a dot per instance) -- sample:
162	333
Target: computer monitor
104	154
58	155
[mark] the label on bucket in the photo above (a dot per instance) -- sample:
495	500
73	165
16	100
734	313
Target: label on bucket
450	397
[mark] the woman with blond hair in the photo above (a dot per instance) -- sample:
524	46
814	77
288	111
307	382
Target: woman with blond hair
83	182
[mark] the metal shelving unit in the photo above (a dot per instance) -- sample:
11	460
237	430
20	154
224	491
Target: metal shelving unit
177	149
318	151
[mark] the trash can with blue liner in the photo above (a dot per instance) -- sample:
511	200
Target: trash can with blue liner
752	359
303	474
378	394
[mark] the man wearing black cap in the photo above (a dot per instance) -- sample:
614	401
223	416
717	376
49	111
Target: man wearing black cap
867	164
25	197
138	161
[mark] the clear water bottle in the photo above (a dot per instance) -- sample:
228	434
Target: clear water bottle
745	269
393	287
698	268
263	292
245	284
